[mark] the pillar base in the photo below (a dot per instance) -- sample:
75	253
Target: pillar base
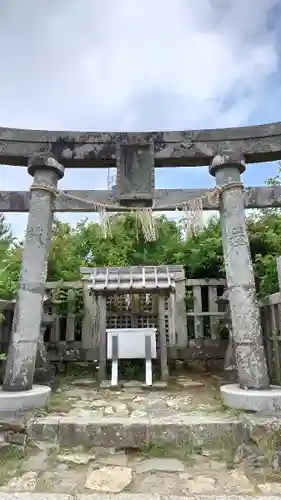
262	401
18	401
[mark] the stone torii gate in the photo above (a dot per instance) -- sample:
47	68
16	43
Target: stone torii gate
46	155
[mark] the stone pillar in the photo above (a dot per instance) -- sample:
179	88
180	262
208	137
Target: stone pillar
247	334
20	365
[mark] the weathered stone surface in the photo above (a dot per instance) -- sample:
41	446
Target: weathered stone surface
134	433
45	429
37	463
125	496
26	482
264	431
164	199
158	385
270	489
195	477
118	459
108	410
118	434
16	438
109	479
44	161
202	484
139	414
135	173
45	375
13	424
192	147
131	384
195	430
62	481
105	384
240	480
245	315
20	365
159	464
121	412
276	461
189	384
76	458
244	451
83	382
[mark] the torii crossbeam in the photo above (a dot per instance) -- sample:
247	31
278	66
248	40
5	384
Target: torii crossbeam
259	143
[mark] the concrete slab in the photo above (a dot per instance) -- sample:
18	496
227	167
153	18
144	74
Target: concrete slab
263	401
17	401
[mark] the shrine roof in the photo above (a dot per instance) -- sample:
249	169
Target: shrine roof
131	279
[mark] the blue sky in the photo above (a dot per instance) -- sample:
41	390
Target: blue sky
138	65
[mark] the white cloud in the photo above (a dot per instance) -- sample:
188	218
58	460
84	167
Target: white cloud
141	64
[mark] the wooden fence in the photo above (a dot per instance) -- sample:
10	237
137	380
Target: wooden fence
270	308
204	317
67	337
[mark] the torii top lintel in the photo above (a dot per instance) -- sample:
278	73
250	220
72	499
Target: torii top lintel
257	143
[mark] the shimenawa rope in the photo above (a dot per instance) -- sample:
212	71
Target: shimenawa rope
193	209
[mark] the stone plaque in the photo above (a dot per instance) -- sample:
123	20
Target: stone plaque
135	174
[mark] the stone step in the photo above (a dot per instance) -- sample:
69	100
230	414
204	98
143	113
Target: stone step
133	433
124	496
179	469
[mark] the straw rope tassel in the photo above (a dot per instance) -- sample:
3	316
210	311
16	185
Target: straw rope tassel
193	210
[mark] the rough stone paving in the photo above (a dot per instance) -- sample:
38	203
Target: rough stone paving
31	466
81	398
105	471
45	468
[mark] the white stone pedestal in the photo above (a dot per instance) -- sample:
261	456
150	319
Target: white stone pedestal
17	401
262	401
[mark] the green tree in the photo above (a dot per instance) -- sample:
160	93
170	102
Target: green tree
201	254
10	257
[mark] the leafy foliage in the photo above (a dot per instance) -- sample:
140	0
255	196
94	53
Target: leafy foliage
201	254
10	258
